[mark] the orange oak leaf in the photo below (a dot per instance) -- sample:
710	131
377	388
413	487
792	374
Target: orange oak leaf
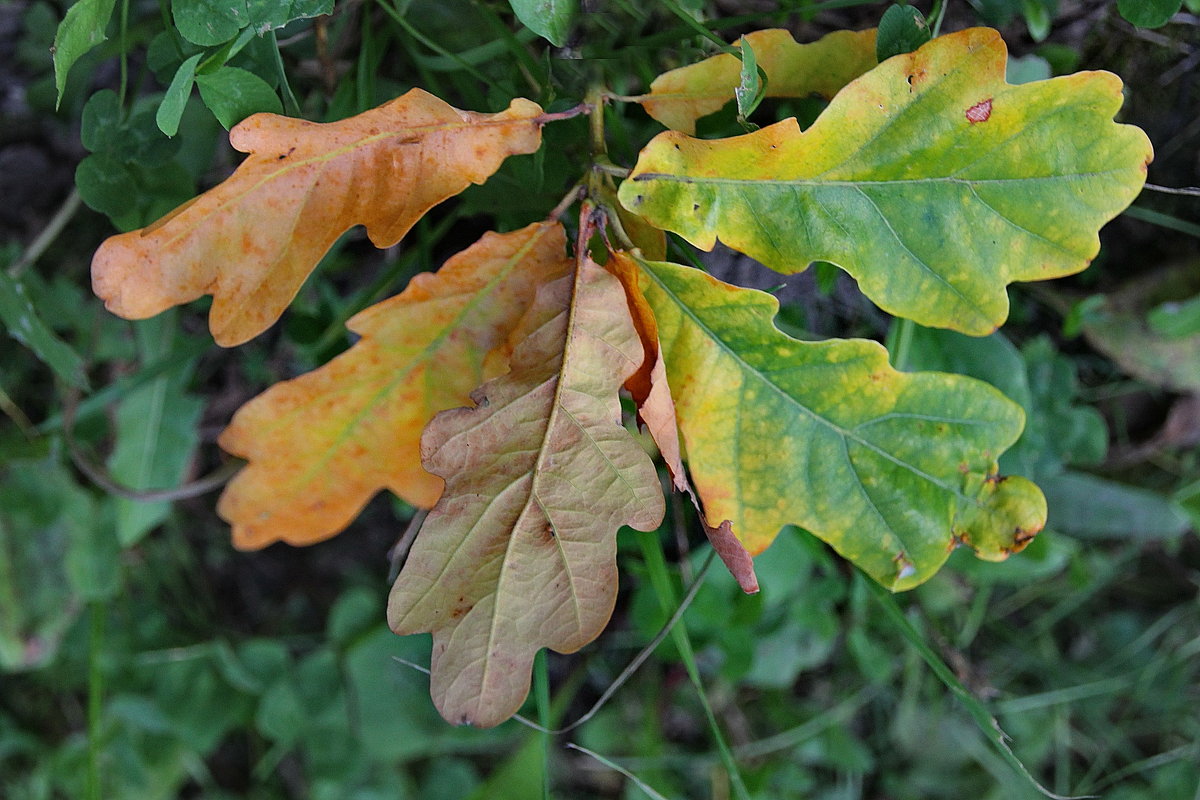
520	551
251	241
321	445
648	385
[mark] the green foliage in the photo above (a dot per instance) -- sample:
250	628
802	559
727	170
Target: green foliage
82	29
23	323
550	19
1149	13
233	94
902	29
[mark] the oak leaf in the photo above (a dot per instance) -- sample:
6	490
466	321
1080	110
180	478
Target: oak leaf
252	240
680	97
892	469
520	551
321	445
651	391
929	179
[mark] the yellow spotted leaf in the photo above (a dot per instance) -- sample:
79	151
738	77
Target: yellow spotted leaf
680	97
893	469
251	241
520	551
321	445
929	179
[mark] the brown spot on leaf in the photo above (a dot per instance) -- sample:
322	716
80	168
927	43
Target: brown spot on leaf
980	112
1023	536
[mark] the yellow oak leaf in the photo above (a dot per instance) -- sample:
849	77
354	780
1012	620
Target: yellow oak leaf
520	551
251	241
680	97
656	408
321	445
892	469
931	179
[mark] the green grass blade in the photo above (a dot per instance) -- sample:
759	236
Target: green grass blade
987	724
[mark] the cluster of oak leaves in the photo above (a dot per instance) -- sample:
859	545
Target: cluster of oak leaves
489	390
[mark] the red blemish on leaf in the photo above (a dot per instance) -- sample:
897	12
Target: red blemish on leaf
980	112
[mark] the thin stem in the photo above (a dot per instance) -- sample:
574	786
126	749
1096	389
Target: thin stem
1189	191
104	479
645	787
19	417
609	168
699	28
541	695
570	113
49	233
124	85
399	550
432	45
95	698
661	581
569	199
983	719
289	98
595	99
938	12
627	98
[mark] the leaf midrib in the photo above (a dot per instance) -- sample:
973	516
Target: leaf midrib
819	184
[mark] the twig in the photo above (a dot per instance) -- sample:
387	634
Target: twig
569	199
570	113
1189	191
44	239
611	169
104	479
627	98
645	787
19	417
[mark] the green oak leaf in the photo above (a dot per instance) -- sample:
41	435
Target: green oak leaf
892	469
929	179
